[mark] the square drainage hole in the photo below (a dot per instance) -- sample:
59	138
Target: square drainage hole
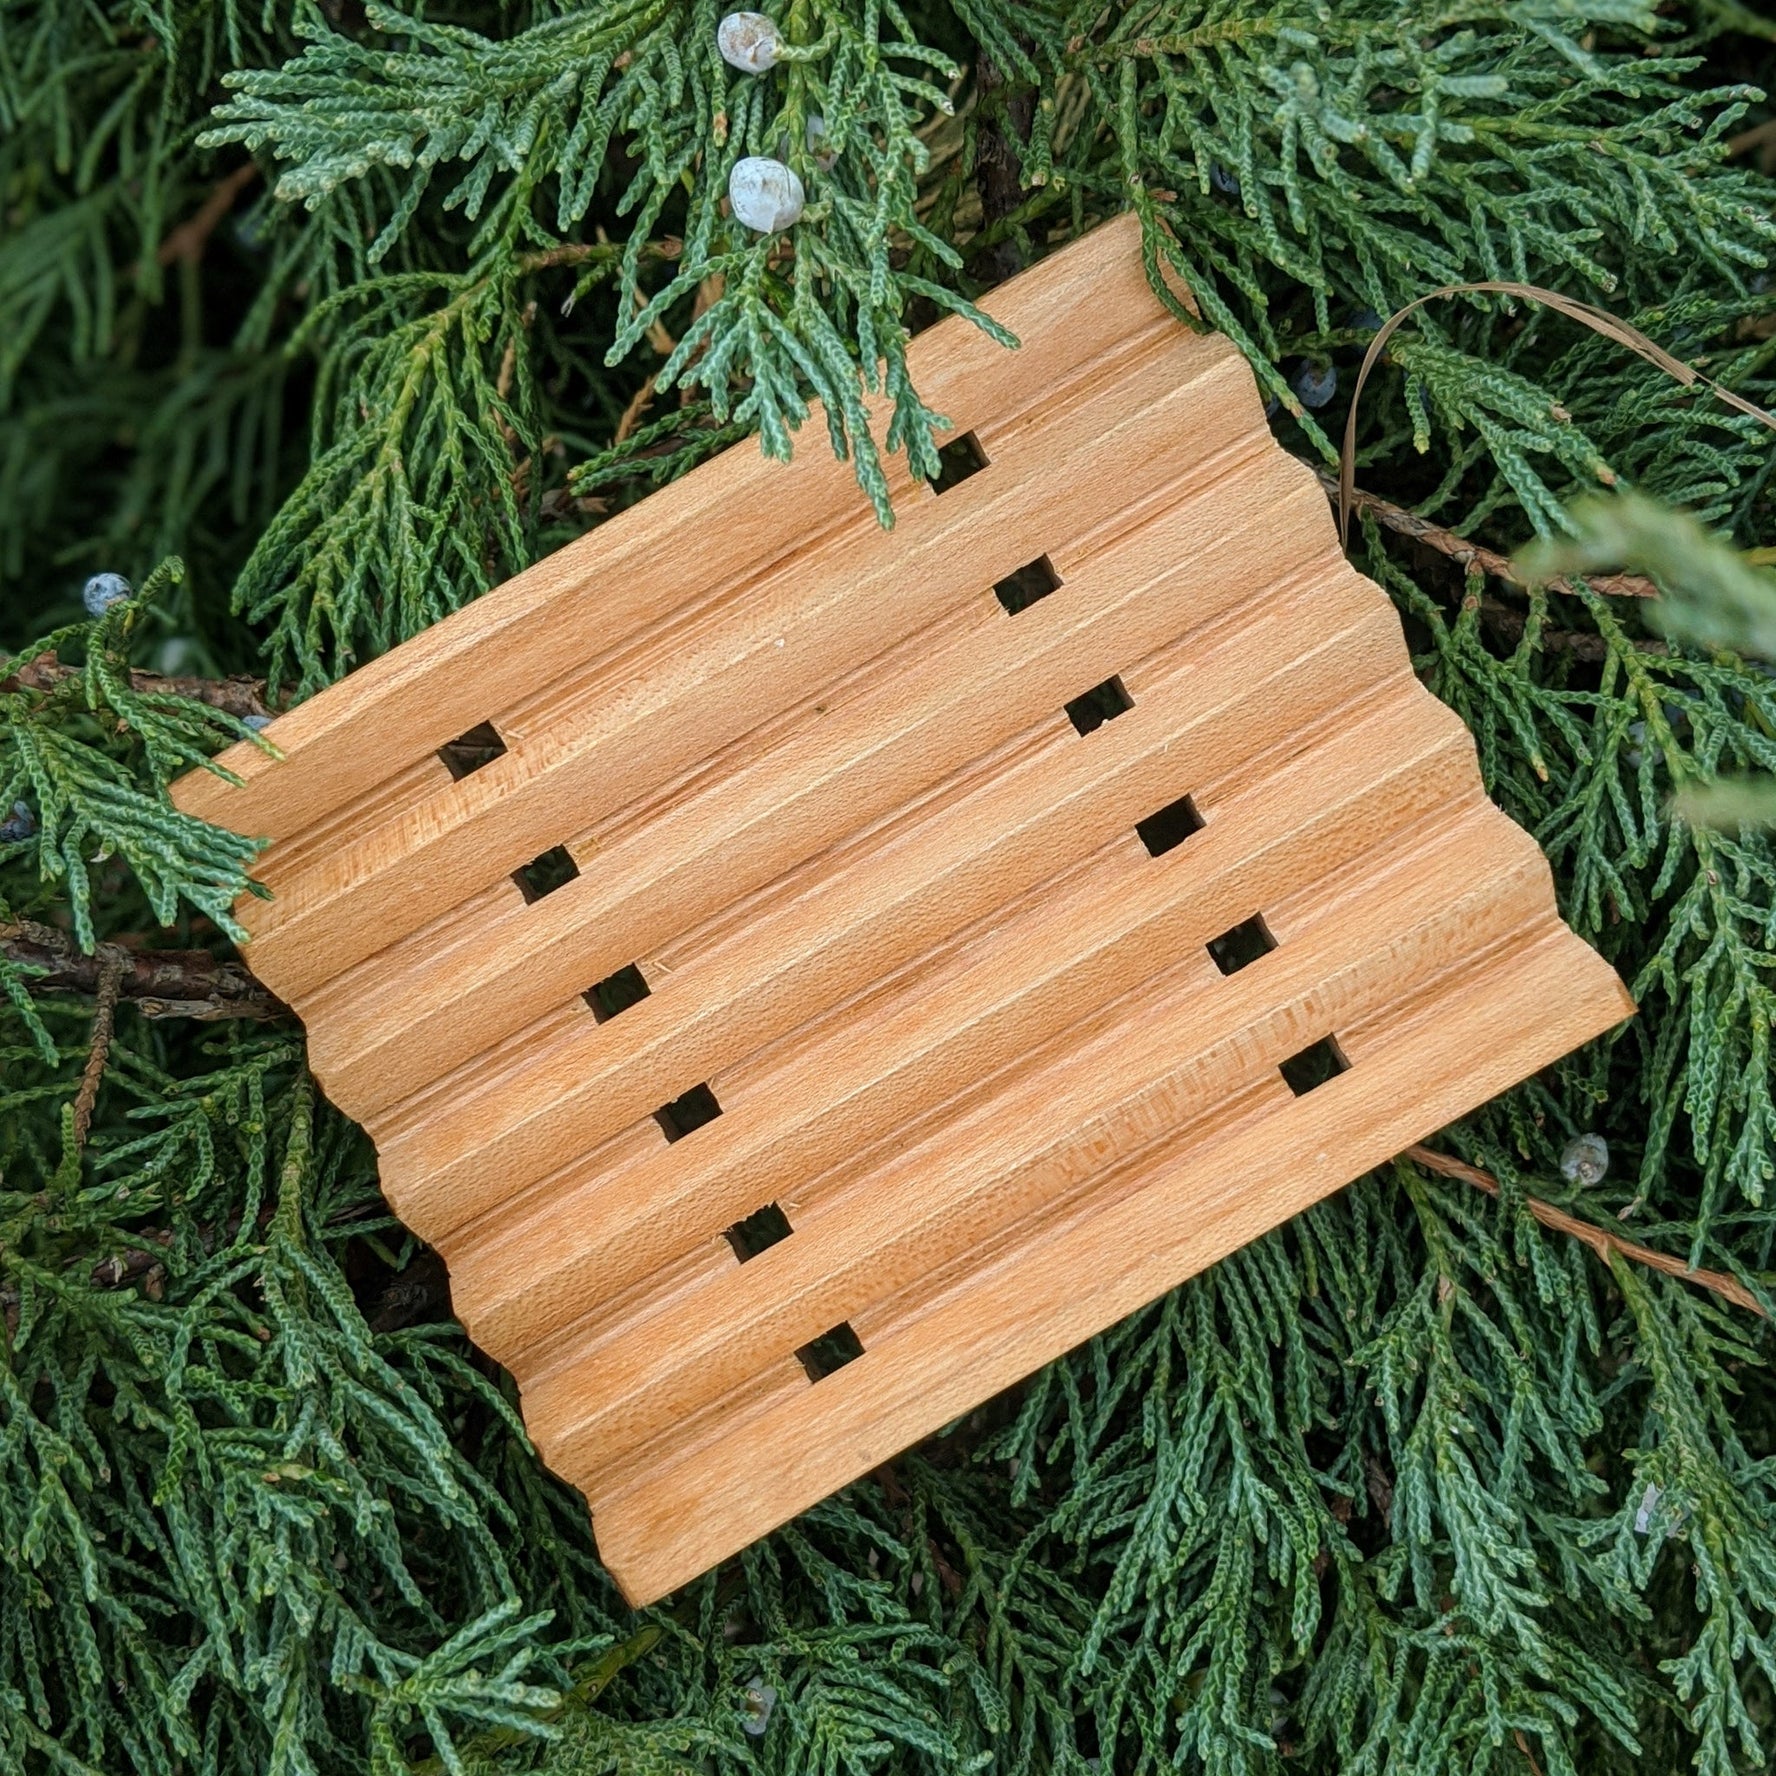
616	992
1170	827
957	460
831	1350
1242	946
1023	586
761	1230
543	875
1311	1068
469	752
695	1108
1102	703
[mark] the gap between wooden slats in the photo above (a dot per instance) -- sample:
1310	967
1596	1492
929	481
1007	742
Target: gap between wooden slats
680	1516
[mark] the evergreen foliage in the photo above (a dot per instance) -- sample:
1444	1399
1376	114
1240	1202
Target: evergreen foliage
358	310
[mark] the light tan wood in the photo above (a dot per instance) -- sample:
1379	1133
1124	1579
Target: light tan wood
964	1030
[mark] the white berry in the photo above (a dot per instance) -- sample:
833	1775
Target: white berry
748	41
766	194
103	591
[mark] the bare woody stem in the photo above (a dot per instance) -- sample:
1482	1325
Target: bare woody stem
236	696
112	965
1599	1239
1474	557
159	983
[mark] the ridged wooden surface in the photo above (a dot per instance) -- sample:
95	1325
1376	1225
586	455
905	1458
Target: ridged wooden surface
964	1028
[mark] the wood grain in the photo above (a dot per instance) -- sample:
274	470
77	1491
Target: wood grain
905	946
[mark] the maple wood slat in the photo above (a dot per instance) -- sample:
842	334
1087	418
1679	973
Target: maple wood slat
843	766
384	802
689	693
926	925
435	687
996	1165
966	963
412	978
1018	1315
559	1252
674	622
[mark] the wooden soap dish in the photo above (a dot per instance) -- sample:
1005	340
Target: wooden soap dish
803	977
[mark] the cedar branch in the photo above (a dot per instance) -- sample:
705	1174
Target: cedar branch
111	963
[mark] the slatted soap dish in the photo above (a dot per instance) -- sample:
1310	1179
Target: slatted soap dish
804	977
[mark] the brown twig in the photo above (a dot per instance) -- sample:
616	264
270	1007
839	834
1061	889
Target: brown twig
189	239
237	696
1511	624
125	1267
639	403
1760	135
1599	1239
578	252
111	963
159	983
1474	556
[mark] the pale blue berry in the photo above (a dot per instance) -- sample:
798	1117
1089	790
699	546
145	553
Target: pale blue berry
1224	181
1585	1160
104	590
1316	384
258	723
1649	1503
820	148
19	826
765	194
1365	320
758	1702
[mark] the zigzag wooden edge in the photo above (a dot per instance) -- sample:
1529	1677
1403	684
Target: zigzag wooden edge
856	967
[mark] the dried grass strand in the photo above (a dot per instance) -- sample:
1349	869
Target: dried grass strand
1611	327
